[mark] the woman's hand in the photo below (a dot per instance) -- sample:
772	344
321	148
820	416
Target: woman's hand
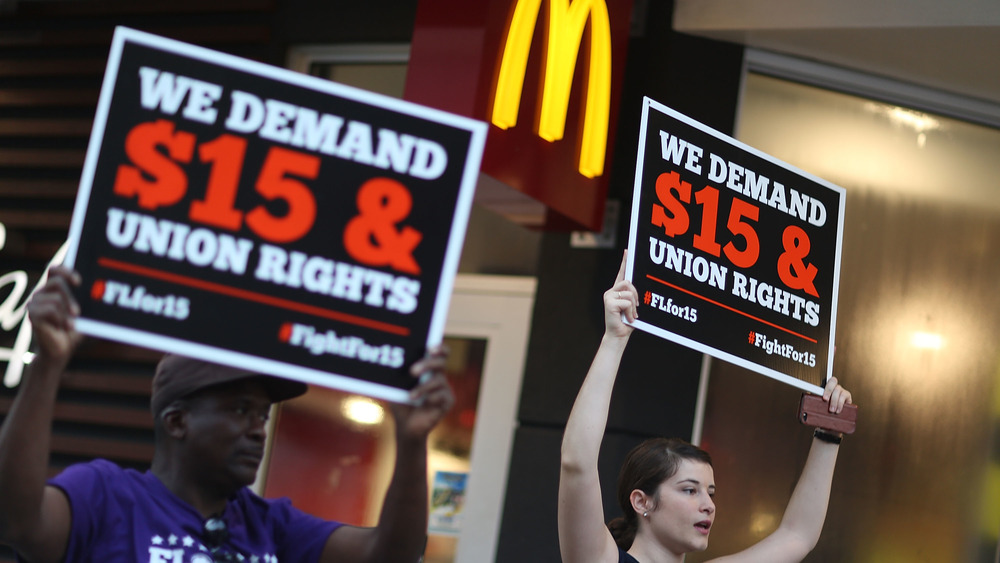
621	300
836	396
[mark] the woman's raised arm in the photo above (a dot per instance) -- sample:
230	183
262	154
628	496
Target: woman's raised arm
802	522
583	536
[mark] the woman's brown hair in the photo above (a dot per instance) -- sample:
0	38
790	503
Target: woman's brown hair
647	466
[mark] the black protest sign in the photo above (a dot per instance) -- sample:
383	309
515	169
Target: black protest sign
733	252
258	217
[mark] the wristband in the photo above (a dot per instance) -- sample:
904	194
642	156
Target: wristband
828	437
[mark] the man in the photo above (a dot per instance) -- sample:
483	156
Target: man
193	505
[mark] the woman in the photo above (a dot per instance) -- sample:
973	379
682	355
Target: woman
666	485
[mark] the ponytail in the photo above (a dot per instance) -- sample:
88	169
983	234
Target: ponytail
623	530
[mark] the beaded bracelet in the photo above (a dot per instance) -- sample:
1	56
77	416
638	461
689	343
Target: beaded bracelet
828	437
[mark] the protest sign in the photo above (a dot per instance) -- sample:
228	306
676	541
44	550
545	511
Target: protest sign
258	217
733	252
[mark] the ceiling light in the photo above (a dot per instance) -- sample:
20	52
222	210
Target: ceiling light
362	410
927	340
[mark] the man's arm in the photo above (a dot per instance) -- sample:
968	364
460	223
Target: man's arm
35	518
402	526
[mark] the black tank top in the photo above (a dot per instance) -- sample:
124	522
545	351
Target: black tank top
625	557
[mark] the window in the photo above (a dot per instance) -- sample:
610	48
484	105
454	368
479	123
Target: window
917	327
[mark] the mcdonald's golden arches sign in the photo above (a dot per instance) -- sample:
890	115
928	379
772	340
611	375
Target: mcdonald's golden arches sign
546	75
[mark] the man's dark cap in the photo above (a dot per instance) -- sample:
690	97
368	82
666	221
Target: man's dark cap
179	376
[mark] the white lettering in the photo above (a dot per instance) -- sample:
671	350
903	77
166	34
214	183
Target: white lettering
717	170
672	149
687	264
429	160
165	91
775	299
351	347
12	312
337	279
246	112
319	133
305	128
760	188
177	241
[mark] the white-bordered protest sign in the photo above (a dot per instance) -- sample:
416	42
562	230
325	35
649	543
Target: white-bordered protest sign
733	252
258	217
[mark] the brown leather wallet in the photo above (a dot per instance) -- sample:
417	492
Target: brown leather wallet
813	411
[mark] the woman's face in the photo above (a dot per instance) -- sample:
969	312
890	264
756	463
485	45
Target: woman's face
685	511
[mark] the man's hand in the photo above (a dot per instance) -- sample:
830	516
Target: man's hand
402	526
53	311
430	400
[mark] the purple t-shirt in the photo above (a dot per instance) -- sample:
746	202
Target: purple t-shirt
122	515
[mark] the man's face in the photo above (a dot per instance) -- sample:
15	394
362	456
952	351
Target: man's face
226	432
